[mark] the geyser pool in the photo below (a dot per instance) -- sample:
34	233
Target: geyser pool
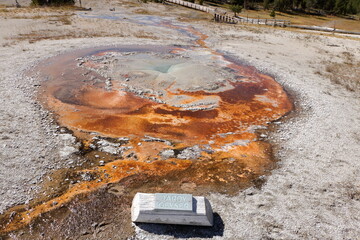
189	116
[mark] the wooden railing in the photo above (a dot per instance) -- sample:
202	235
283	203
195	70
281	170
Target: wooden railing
266	21
193	5
324	29
223	17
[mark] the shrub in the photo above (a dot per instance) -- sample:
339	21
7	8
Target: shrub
52	2
272	14
266	4
236	9
283	5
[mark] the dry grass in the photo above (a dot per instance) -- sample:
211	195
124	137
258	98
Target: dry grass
304	19
143	34
58	16
126	3
51	14
314	34
40	35
193	16
39	10
346	74
142	11
65	19
36	36
4	10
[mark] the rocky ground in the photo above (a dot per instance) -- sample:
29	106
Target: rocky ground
314	192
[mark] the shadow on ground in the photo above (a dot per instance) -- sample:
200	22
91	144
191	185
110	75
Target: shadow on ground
180	231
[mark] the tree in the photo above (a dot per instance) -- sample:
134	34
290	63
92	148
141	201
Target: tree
341	6
246	4
38	2
330	5
354	6
272	14
52	2
266	4
237	2
311	4
283	5
236	9
17	4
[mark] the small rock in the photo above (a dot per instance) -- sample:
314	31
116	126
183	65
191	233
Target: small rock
190	153
167	153
87	176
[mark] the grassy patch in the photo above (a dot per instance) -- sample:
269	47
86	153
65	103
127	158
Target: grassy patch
346	74
125	3
50	14
40	35
305	19
193	16
142	11
36	36
143	34
4	10
64	19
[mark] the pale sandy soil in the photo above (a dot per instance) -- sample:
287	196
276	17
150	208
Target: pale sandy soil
313	194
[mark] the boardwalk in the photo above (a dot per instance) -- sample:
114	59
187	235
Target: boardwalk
222	17
193	5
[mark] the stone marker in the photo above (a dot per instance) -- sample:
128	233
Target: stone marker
171	208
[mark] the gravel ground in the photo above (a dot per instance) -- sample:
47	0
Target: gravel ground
31	143
315	191
26	136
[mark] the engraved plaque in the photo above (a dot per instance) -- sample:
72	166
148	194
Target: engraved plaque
182	209
172	201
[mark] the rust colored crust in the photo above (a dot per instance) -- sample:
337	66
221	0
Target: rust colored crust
110	173
235	157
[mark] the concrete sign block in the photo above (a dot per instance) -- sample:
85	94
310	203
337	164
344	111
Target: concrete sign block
170	208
